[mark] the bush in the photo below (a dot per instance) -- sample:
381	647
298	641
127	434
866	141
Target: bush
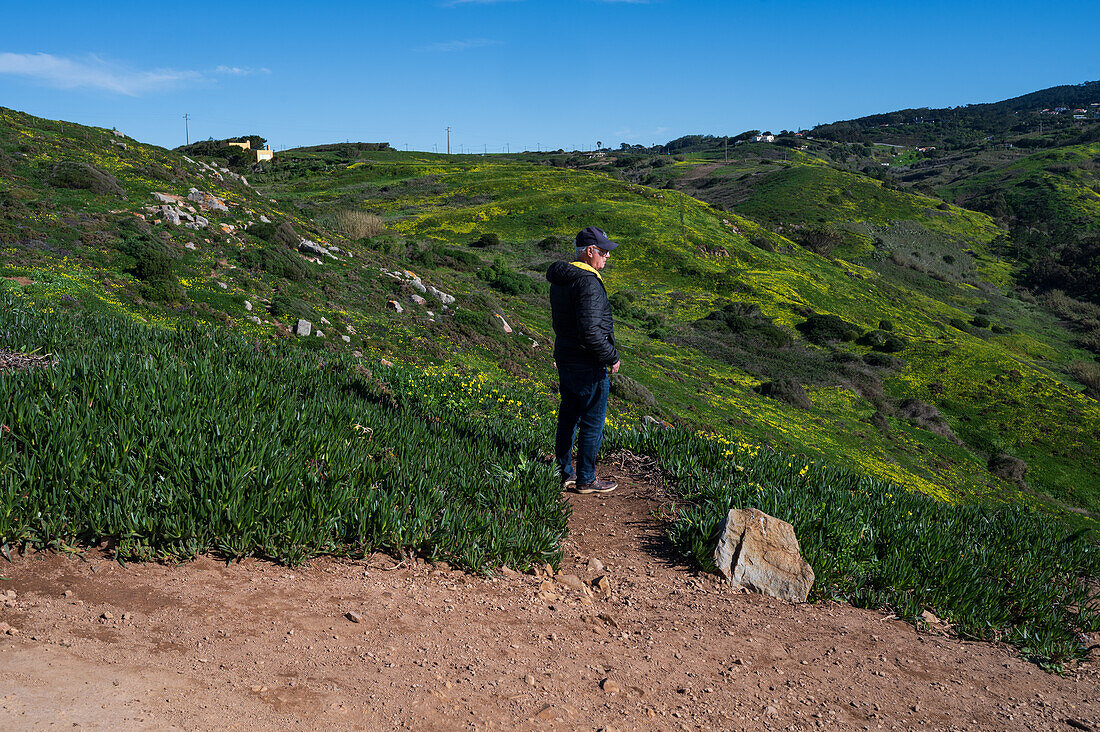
762	242
820	239
786	390
502	279
355	224
276	260
1088	373
486	240
444	256
748	323
827	328
283	305
885	325
879	360
154	266
554	244
630	390
980	321
82	176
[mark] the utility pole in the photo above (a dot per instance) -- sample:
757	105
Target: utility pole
448	140
186	129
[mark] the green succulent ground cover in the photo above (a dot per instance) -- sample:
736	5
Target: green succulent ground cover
175	443
681	261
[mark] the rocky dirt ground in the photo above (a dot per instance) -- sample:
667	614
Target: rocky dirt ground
655	645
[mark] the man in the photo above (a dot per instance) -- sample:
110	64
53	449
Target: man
584	350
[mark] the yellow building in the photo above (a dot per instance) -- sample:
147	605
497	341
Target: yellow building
246	145
266	154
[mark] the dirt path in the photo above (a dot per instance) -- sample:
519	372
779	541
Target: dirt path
208	645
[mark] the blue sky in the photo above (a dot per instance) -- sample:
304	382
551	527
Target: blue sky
524	74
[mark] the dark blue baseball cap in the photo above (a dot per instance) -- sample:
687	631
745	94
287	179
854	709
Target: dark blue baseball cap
592	235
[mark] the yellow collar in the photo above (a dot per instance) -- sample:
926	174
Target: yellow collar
587	268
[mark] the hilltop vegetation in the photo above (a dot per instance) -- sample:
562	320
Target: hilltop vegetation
808	315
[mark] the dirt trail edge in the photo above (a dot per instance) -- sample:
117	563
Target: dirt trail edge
251	645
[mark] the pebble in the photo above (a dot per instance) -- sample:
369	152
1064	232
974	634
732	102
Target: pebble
353	616
602	584
595	565
10	594
67	593
529	679
610	686
107	616
771	711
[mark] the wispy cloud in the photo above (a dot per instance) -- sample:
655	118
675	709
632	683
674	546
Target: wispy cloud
239	71
92	73
463	45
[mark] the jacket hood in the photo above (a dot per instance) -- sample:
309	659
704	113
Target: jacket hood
565	273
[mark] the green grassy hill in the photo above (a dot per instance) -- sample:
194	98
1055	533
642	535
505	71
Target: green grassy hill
681	260
881	408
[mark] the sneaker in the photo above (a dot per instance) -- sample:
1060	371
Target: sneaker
568	483
596	486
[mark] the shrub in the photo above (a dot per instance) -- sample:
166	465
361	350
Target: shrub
82	176
1088	373
786	390
502	279
627	388
486	240
276	260
355	224
748	323
820	239
260	230
980	321
893	344
880	360
762	242
284	305
824	328
154	266
554	244
886	325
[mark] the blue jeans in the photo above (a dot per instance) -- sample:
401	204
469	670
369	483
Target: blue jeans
584	389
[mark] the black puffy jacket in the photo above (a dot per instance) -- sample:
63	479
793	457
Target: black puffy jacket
582	316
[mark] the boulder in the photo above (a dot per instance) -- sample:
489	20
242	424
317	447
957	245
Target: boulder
303	328
207	200
418	299
760	553
395	306
501	323
309	247
443	296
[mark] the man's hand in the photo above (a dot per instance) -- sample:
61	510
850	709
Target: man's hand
615	367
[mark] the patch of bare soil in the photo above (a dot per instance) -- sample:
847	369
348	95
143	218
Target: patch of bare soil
251	645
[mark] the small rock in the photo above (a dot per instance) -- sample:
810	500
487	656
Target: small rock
223	285
573	582
353	616
395	306
127	616
107	616
929	617
303	328
345	339
67	593
248	306
320	333
770	711
10	594
595	565
529	679
11	631
325	320
610	686
602	585
190	245
508	571
418	299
